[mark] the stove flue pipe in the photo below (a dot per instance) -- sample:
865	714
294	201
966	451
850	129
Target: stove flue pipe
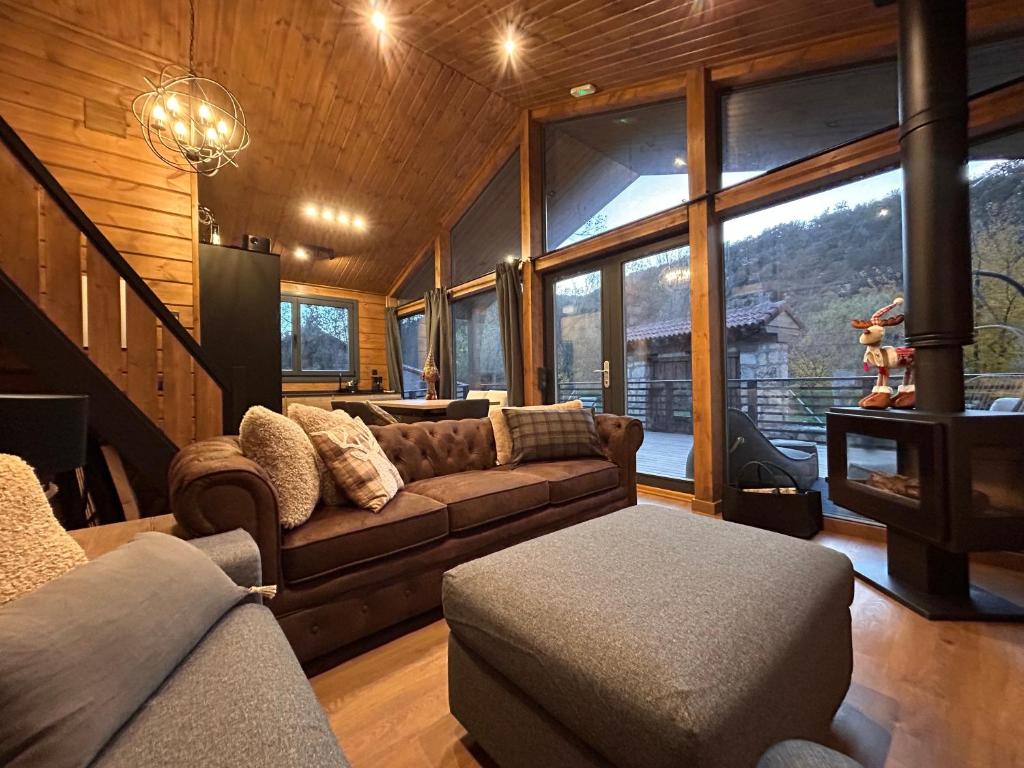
936	214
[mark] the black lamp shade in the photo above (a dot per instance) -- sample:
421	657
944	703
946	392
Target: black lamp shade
47	431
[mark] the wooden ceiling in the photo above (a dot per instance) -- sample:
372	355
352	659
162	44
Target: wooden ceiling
395	132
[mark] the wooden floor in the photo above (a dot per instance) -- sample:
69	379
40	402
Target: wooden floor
924	694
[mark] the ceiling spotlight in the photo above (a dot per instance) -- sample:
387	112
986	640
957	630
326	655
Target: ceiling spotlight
327	214
679	162
509	45
311	211
359	222
379	21
343	218
300	253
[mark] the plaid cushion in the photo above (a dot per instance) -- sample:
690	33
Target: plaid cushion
538	435
381	417
358	464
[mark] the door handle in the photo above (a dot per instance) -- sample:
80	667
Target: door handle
606	374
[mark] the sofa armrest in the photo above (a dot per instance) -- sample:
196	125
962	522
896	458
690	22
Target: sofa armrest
215	489
235	553
621	437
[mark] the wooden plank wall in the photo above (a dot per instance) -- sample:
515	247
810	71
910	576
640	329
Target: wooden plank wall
68	94
371	332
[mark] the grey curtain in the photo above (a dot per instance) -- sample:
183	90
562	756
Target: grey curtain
437	316
510	313
393	350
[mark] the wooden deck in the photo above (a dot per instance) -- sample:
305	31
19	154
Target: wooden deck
663	454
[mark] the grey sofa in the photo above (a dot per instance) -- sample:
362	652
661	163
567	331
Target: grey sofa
238	697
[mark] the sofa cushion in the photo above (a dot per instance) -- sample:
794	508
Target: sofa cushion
544	435
285	453
313	419
358	464
239	699
34	547
482	496
570	479
502	435
81	654
335	538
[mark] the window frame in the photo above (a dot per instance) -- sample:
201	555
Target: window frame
492	291
296	373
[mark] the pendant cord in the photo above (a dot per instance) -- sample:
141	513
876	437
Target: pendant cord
192	36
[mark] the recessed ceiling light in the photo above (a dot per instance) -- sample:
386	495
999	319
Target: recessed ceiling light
300	253
359	222
379	21
327	214
509	45
343	218
311	210
579	91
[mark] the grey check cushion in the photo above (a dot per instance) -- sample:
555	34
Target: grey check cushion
538	435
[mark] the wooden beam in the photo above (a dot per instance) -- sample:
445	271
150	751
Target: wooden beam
479	285
442	258
664	224
620	98
412	308
531	186
707	308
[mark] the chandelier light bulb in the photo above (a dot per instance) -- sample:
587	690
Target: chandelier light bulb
172	104
222	128
159	115
211	135
204	113
180	129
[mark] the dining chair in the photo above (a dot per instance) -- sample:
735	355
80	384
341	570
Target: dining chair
467	409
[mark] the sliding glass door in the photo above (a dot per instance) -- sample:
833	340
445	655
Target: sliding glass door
619	340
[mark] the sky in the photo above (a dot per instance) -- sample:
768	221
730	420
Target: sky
648	195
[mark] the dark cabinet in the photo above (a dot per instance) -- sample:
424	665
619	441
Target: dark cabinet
239	305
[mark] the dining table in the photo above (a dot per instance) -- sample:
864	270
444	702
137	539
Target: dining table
412	410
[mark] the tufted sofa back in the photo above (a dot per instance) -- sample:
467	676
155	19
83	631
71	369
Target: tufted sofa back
435	448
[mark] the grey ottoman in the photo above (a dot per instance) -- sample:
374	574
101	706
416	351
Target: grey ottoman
647	638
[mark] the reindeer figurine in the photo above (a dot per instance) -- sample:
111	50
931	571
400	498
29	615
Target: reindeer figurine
884	359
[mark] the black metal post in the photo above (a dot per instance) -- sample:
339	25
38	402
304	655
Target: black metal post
936	226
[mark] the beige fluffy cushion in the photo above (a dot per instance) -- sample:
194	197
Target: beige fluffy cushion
502	435
34	548
279	445
313	419
359	465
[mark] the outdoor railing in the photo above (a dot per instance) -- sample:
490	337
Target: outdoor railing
793	408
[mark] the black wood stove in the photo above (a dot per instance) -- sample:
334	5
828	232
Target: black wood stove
944	480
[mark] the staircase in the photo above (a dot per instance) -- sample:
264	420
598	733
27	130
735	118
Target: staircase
76	314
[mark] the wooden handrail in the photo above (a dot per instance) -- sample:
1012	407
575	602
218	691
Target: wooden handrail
99	241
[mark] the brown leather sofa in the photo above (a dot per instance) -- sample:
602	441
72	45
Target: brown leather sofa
348	573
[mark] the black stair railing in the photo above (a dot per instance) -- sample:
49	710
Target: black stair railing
99	241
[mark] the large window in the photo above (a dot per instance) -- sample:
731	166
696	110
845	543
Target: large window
412	331
995	362
796	274
607	170
490	230
479	360
419	282
994	64
765	126
318	337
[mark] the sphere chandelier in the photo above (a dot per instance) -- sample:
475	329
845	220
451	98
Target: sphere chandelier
191	122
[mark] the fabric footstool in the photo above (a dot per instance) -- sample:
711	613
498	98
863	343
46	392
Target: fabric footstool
649	637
